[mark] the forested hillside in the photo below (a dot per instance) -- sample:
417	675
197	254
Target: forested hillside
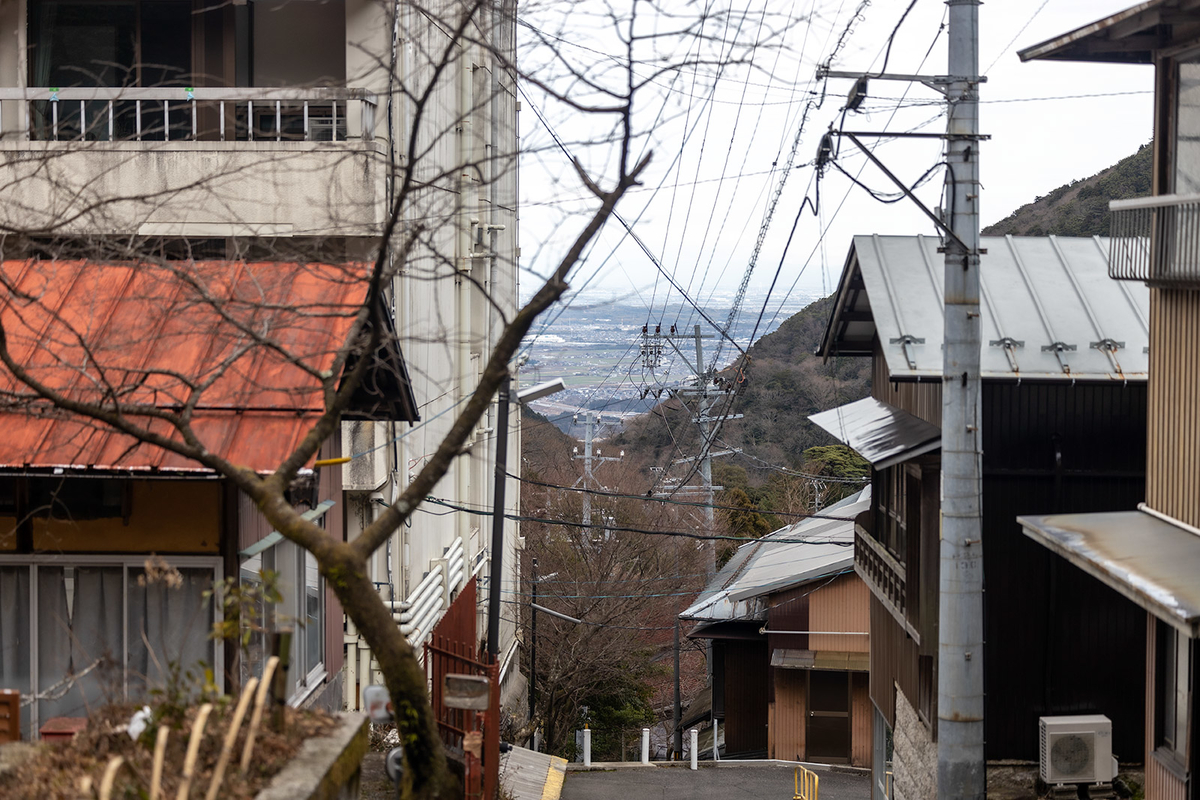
1080	208
784	383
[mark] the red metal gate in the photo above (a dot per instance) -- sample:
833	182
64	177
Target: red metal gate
453	649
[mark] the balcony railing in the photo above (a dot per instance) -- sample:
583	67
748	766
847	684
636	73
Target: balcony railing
188	114
1157	240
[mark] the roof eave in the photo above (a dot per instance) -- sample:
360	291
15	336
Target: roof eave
1092	42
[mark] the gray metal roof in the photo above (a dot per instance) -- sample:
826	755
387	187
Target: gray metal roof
1152	562
814	548
1048	308
1121	37
882	434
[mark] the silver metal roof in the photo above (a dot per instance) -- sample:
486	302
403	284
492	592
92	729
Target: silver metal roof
1048	308
1115	38
882	434
1152	562
814	548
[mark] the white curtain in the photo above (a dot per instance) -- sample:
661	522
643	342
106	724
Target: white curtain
14	634
77	630
175	623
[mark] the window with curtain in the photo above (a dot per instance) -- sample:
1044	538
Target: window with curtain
90	612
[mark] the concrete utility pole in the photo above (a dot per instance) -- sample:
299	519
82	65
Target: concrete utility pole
960	608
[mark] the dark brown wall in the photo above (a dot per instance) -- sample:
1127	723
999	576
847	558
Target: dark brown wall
893	662
1057	640
747	685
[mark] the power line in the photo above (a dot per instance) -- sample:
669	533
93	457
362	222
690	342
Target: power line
626	529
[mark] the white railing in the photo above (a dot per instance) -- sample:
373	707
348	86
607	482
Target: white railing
416	615
1156	239
187	114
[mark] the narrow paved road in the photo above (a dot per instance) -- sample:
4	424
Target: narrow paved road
724	782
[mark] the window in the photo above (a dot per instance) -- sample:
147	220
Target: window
302	610
84	610
1186	156
892	500
1172	688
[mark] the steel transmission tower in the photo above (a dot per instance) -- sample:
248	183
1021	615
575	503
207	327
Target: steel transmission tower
709	392
590	418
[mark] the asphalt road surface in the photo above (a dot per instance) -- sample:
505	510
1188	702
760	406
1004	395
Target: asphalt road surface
724	782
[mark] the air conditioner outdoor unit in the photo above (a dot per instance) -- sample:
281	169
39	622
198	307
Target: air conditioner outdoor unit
1076	749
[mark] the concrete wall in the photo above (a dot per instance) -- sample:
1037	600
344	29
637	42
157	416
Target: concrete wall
207	189
914	760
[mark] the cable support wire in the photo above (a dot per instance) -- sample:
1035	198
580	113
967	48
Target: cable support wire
668	501
626	529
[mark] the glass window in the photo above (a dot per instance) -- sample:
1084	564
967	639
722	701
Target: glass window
93	619
302	609
80	621
169	623
15	634
1187	127
1173	688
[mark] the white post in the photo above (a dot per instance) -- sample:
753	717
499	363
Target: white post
716	730
695	745
587	747
645	745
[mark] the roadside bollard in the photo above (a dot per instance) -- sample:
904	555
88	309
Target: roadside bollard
645	745
695	745
587	747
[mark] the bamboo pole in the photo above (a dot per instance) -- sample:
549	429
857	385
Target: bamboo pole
235	724
193	750
110	777
160	753
260	697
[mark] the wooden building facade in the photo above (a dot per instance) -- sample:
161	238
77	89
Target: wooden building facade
789	625
1057	433
1151	555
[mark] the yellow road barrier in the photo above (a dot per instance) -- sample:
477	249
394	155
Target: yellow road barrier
807	784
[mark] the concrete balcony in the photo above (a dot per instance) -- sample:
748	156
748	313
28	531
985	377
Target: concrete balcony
203	162
1156	240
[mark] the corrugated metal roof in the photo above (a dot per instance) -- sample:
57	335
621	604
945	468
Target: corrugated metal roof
1049	310
771	565
882	434
253	339
1113	38
1145	558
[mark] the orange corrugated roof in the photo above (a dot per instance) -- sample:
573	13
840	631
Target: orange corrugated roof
242	341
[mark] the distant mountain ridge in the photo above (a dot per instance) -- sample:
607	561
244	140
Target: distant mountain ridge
1080	208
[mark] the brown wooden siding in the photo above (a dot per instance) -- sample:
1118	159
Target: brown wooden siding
893	662
788	715
1173	415
747	679
861	740
843	605
1161	783
789	611
922	399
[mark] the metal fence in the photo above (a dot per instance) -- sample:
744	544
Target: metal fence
1156	240
187	114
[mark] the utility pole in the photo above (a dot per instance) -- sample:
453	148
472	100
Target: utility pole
533	644
960	609
588	480
961	772
677	715
496	578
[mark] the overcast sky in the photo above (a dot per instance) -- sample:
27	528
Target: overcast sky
711	179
